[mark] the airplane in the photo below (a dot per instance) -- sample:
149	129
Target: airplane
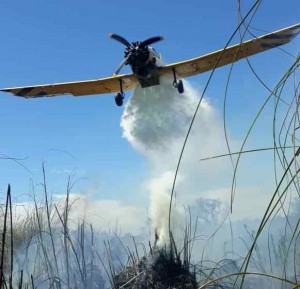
147	67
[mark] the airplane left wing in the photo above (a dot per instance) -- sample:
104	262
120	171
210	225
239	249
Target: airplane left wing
88	87
232	53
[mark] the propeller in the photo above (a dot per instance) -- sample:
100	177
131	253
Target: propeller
119	38
122	64
134	49
152	40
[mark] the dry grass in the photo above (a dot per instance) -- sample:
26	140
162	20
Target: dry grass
43	251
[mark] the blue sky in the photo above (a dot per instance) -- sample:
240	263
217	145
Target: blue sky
58	41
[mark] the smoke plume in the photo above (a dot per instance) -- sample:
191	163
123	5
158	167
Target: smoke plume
155	121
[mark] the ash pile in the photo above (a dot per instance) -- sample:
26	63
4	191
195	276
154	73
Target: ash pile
161	269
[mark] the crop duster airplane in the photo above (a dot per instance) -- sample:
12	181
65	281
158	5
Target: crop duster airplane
147	67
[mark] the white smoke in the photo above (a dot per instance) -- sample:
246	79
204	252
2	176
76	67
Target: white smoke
155	121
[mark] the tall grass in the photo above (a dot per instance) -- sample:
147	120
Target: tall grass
49	249
69	256
286	173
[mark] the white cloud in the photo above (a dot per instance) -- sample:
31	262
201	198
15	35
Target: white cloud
106	214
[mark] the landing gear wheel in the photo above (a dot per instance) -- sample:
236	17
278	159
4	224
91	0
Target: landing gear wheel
180	86
119	99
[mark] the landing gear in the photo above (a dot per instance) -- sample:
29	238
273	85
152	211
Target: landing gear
180	86
120	95
177	84
119	98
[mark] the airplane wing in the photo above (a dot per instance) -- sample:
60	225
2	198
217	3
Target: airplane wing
97	86
183	69
232	53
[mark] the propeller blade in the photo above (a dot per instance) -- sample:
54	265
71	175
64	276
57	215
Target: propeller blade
122	64
152	40
119	38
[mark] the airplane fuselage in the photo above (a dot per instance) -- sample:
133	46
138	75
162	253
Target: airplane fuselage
146	67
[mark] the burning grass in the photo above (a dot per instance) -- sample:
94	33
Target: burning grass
55	256
159	270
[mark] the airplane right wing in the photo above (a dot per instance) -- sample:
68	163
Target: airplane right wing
232	53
